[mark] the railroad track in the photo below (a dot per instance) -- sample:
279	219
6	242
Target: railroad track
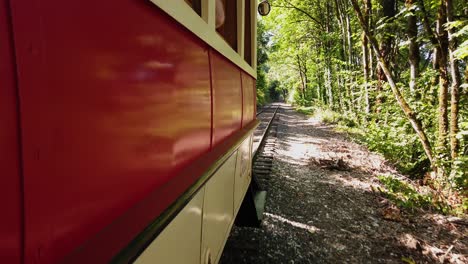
264	145
260	110
266	116
267	108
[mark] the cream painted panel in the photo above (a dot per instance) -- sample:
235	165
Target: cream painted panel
254	10
240	27
180	241
218	210
243	170
208	13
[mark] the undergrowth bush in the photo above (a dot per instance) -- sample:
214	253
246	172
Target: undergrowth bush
261	98
306	110
407	196
329	116
398	146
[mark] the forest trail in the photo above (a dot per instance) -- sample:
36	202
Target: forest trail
321	208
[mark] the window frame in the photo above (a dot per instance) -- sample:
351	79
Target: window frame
204	27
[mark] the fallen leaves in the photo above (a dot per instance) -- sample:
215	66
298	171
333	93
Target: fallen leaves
392	213
331	164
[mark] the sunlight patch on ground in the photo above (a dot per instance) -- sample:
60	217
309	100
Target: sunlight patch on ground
287	177
311	229
299	152
351	182
408	241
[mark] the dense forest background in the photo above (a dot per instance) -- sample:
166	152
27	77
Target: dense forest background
392	73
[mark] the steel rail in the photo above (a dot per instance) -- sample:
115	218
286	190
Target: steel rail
265	132
262	109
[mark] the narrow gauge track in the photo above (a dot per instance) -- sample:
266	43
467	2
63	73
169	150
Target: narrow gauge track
263	146
261	109
266	116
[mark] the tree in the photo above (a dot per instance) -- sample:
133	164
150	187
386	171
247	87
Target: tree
410	114
455	73
412	32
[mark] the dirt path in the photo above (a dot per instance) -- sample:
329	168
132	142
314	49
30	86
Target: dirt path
317	212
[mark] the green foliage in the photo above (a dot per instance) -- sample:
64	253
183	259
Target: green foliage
389	132
459	177
263	94
306	110
462	51
398	145
405	195
262	91
408	260
328	116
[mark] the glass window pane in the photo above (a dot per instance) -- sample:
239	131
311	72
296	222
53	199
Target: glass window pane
195	5
248	33
227	28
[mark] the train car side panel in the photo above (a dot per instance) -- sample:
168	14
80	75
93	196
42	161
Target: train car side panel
227	97
115	103
243	172
10	181
248	94
180	242
218	210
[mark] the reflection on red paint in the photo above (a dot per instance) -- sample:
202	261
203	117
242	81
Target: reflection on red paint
112	108
227	98
10	194
248	94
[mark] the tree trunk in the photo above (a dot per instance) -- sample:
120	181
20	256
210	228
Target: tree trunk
328	86
455	73
339	14
344	56
415	123
414	57
442	137
433	37
306	79
350	42
319	83
389	12
365	65
365	56
351	60
328	82
341	102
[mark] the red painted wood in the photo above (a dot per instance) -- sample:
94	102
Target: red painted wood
10	191
227	98
248	94
115	103
101	248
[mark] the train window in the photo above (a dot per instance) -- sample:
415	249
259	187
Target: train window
228	29
228	26
247	33
195	5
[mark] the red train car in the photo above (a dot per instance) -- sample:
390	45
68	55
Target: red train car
126	128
